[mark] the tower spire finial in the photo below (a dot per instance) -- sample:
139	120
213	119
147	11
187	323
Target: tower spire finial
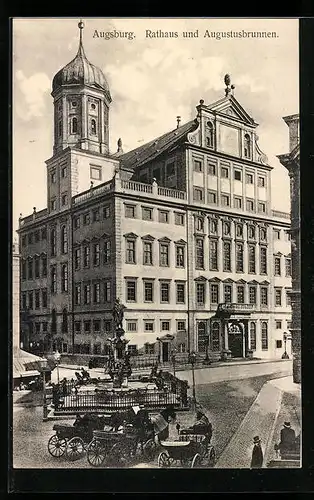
81	27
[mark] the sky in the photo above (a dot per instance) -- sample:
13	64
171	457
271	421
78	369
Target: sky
152	81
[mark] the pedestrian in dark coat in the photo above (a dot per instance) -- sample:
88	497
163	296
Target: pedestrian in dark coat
257	454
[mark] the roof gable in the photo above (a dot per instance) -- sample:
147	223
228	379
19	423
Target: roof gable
229	106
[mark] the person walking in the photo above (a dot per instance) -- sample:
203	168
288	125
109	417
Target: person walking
257	454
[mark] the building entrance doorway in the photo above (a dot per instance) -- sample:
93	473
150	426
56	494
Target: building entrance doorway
235	340
165	352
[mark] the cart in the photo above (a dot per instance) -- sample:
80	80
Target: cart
71	441
190	450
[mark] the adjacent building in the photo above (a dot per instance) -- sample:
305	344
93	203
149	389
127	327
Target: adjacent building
291	161
181	230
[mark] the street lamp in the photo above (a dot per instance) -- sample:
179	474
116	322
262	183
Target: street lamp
192	359
57	357
285	354
44	364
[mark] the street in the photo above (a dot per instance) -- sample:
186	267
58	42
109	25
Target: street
226	403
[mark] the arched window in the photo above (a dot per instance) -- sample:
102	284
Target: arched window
209	135
201	336
53	321
253	336
64	277
215	336
53	242
264	330
247	146
64	321
64	240
93	127
74	125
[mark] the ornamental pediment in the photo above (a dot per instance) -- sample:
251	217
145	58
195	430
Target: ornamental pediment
214	280
241	281
130	235
228	280
148	237
265	282
180	242
201	278
165	239
253	282
230	107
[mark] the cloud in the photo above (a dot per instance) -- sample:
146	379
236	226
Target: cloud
33	90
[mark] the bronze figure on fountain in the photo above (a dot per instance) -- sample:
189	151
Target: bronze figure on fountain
120	367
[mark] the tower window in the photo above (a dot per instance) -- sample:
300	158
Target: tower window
93	127
74	125
247	146
209	135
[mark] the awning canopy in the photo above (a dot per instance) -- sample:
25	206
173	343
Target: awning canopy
25	364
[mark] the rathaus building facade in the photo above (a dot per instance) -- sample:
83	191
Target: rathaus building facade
181	230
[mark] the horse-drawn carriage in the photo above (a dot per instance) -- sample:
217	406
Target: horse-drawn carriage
72	440
190	450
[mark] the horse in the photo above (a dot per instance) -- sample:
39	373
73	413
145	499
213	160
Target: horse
161	423
89	422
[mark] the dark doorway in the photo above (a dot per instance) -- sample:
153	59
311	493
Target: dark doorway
235	340
165	352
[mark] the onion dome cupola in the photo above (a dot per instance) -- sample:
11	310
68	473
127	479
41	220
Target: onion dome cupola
81	100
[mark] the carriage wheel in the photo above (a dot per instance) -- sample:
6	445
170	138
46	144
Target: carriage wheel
149	449
212	457
57	446
164	460
95	453
119	454
197	461
75	448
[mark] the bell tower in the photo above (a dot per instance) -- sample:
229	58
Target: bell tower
81	100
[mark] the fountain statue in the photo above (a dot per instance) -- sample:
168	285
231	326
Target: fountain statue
120	368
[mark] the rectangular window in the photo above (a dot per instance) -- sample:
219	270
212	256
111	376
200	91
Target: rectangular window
107	291
165	326
131	325
198	166
200	294
252	295
129	211
87	294
37	269
224	173
288	267
249	178
251	232
277	266
211	169
278	324
44	298
227	294
289	325
240	294
53	279
24	269
261	182
64	199
44	266
237	175
164	255
130	252
95	173
30	269
180	293
107	326
213	255
253	336
77	327
148	291
237	202
107	252
264	336
278	297
45	326
252	258
214	293
288	297
226	256
213	226
147	213
276	234
87	326
264	296
147	253
86	256
77	294
250	205
53	204
198	194
64	172
180	257
30	300
53	177
263	260
37	328
171	169
278	344
199	224
86	219
76	222
179	219
148	326
37	299
164	292
180	325
96	215
96	254
212	197
262	207
131	291
96	293
77	258
239	257
199	253
225	200
163	216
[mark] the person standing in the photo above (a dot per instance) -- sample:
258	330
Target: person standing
257	454
287	439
